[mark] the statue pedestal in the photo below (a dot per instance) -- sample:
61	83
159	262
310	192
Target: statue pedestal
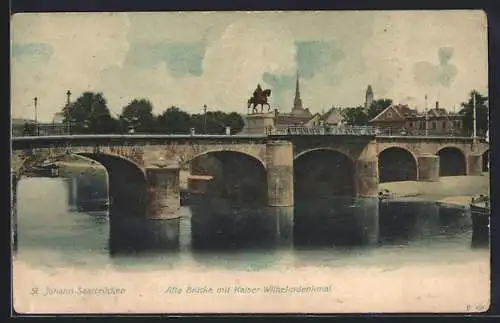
258	123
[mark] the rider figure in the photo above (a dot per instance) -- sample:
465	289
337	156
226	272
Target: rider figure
257	94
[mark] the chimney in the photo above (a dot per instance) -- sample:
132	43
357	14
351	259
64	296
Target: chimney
437	105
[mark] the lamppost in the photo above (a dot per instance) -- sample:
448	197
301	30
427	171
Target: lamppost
426	118
204	118
474	125
68	100
35	101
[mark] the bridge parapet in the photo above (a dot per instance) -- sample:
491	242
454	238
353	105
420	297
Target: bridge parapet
322	130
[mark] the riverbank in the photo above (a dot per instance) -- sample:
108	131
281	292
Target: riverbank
70	168
450	190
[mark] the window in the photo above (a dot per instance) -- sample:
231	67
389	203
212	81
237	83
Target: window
422	125
444	124
433	125
410	125
389	114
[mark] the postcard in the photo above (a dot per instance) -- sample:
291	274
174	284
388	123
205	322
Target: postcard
250	162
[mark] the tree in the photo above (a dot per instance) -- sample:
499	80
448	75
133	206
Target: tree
481	113
378	106
173	121
235	121
89	114
216	122
355	116
138	114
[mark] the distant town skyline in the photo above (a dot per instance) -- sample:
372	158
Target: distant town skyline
189	59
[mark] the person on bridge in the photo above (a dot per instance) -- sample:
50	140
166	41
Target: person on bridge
27	131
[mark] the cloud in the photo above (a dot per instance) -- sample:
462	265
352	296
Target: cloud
317	56
82	46
281	87
428	74
32	51
445	54
217	58
182	58
232	67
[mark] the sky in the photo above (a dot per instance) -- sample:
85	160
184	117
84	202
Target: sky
188	59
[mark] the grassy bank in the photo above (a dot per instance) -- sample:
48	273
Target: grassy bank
450	190
73	168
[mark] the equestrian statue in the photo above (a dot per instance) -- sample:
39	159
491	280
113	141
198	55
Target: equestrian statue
259	98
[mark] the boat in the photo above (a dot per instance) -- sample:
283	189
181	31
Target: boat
384	195
480	216
45	169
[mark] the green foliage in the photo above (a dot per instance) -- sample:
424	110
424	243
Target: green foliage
89	114
481	113
138	114
235	121
378	106
355	116
216	122
173	121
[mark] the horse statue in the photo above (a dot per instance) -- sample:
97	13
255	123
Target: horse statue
259	98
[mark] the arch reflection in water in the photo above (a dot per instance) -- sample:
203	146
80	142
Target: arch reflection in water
327	210
231	211
342	221
405	221
49	233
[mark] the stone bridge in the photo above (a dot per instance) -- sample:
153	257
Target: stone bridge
270	170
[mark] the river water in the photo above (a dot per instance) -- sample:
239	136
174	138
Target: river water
413	235
52	233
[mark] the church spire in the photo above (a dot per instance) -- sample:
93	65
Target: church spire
297	102
368	97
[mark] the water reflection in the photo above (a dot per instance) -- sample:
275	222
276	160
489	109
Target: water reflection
218	233
404	221
336	221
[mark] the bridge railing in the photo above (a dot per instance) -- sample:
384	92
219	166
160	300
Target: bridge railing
58	130
419	133
322	130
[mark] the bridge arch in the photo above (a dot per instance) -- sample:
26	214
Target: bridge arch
452	161
188	160
127	184
237	176
323	173
396	164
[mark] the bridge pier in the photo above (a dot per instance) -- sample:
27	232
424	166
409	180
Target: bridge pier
367	177
366	215
279	160
163	219
73	191
428	168
475	164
